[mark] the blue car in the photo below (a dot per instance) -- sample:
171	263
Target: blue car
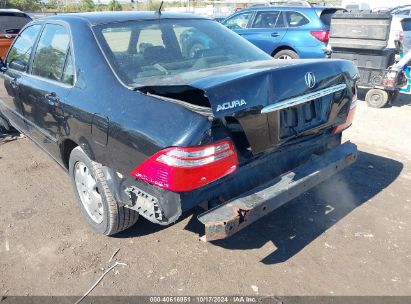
285	32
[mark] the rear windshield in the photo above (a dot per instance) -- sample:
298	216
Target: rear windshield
326	16
144	52
11	23
406	25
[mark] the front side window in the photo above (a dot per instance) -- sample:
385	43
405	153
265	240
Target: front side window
295	19
239	21
268	20
51	53
21	50
173	49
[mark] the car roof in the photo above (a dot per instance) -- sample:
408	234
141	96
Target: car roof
288	7
95	18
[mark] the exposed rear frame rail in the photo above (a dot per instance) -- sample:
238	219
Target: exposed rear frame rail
227	219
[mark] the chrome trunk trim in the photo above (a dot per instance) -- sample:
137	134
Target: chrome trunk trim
302	99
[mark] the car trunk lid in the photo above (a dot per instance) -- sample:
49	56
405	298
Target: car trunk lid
273	101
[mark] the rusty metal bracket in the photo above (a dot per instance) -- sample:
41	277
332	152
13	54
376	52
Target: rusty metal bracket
228	218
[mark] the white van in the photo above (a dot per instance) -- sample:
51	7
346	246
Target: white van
400	30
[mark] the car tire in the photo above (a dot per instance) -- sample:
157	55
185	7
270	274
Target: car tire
286	54
97	203
4	124
376	98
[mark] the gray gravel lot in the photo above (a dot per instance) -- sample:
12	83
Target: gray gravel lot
349	236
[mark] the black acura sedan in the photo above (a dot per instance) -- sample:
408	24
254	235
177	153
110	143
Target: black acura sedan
145	127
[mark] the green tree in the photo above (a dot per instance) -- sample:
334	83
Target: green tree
71	7
52	5
24	5
86	5
113	5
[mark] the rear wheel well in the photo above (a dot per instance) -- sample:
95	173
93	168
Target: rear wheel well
282	48
66	147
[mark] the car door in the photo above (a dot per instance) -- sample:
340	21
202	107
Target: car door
46	87
267	30
16	65
239	22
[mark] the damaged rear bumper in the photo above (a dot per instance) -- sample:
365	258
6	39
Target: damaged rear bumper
228	218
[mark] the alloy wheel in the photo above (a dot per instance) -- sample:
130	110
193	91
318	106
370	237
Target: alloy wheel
89	192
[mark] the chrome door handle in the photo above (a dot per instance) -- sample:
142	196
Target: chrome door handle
275	34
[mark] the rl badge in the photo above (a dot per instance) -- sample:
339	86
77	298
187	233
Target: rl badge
231	105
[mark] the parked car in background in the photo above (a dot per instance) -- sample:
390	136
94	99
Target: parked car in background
285	32
145	129
11	22
400	30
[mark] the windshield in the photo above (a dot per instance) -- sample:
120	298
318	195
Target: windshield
143	52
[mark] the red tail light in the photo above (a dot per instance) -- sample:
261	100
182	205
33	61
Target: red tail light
350	116
322	35
389	79
183	169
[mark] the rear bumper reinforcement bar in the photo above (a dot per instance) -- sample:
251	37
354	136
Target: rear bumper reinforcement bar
228	218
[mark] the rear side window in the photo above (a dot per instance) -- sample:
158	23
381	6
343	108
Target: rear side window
239	21
268	20
51	53
295	19
22	47
12	23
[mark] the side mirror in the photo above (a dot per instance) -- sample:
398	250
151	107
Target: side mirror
17	65
3	67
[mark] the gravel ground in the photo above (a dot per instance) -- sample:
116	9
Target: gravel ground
350	236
